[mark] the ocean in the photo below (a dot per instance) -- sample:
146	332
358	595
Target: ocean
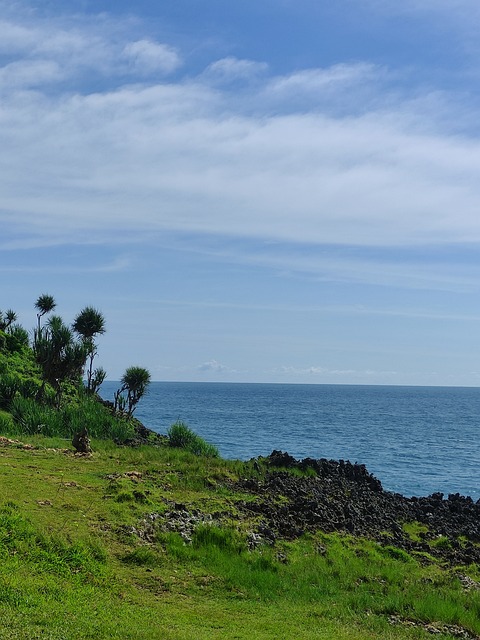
416	440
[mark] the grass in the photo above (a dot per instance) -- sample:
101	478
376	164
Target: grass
180	435
73	565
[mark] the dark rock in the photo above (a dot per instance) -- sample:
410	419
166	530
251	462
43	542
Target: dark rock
345	497
81	442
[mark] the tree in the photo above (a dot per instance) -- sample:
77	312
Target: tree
45	304
135	382
88	324
59	355
7	319
96	381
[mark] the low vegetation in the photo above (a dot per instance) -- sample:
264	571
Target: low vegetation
180	435
158	540
41	380
148	542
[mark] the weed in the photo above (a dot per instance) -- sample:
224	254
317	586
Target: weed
181	436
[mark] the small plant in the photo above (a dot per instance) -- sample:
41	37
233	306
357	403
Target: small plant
6	422
8	390
180	435
141	557
135	382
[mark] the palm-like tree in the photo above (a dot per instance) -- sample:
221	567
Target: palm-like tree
89	323
59	355
7	319
45	304
135	381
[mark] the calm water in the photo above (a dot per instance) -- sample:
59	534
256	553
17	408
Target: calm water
416	440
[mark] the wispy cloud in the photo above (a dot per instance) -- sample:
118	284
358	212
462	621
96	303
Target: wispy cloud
230	69
116	265
213	366
315	371
183	156
147	57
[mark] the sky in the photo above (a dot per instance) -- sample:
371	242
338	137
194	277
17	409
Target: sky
257	191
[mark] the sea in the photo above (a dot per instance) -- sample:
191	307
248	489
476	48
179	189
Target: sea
415	440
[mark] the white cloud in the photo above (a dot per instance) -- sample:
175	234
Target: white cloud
29	74
314	80
188	158
323	372
167	155
16	38
147	57
231	68
215	367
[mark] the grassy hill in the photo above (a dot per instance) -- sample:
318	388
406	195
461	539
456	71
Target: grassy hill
149	542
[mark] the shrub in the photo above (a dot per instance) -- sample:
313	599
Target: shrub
30	417
17	339
8	389
223	538
181	436
6	423
88	412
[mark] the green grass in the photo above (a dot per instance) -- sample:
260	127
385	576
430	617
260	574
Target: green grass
72	565
180	435
30	418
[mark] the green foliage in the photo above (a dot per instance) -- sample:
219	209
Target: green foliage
142	556
16	338
59	355
31	417
19	537
181	436
45	304
397	554
7	318
415	530
20	375
41	385
89	323
75	563
135	382
227	539
88	412
8	389
6	422
96	380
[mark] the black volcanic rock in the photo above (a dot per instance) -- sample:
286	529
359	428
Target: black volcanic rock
345	497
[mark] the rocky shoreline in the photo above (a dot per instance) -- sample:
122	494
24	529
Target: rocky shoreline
338	496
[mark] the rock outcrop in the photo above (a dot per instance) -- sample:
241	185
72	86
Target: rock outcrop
345	497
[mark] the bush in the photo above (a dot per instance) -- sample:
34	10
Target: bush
6	423
30	417
88	412
181	436
17	339
8	389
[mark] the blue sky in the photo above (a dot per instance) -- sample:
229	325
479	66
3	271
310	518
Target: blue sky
268	191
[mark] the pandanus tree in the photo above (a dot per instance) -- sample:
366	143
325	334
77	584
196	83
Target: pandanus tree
44	304
88	324
17	335
60	356
7	319
135	382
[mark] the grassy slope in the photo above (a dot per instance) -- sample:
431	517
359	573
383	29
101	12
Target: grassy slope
71	567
